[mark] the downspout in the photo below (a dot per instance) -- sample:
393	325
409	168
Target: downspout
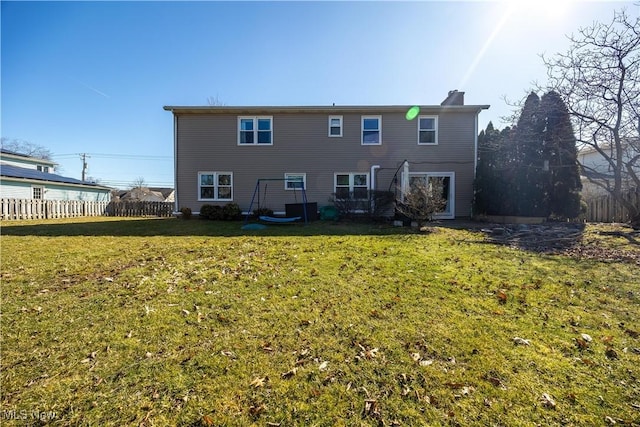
373	185
404	185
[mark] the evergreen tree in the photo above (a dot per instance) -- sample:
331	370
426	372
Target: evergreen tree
484	174
559	149
491	185
526	163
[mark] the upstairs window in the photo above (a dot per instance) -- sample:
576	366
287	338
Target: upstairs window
428	130
255	130
335	126
215	186
42	168
371	130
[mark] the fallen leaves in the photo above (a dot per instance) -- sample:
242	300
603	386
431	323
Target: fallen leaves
207	421
371	409
417	357
366	353
228	353
586	337
493	379
632	333
89	358
255	410
290	373
259	382
547	401
581	343
501	294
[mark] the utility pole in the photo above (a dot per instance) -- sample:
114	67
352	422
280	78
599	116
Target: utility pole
84	156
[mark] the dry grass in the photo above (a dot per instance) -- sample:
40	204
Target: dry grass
167	322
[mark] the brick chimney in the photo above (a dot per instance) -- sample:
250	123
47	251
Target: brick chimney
454	98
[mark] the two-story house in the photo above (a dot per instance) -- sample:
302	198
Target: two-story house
221	152
26	177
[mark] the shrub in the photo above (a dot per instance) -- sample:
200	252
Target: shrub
211	212
186	213
381	203
231	212
377	204
422	202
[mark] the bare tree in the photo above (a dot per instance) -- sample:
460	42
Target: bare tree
27	148
139	182
215	101
599	80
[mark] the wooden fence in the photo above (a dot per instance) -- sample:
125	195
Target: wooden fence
135	208
606	209
19	209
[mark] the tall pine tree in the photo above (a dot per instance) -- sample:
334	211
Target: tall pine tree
526	163
492	184
559	149
484	184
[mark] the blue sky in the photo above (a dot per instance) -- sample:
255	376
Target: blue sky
92	77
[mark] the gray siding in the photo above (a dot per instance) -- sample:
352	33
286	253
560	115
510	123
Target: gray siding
207	141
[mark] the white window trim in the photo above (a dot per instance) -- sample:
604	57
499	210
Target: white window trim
351	185
304	181
33	188
340	134
362	119
215	185
436	130
452	191
255	130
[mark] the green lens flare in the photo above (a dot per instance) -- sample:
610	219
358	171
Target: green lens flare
413	112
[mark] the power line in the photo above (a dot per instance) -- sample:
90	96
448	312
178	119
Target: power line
111	183
116	156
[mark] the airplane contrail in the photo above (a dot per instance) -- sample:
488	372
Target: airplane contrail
95	90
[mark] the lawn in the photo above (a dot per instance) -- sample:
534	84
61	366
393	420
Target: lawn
196	323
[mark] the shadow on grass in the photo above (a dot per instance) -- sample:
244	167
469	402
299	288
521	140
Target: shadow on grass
194	227
547	238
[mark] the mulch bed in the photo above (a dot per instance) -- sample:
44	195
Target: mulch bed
563	239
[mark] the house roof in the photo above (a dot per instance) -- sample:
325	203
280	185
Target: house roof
627	143
164	191
13	154
12	171
335	109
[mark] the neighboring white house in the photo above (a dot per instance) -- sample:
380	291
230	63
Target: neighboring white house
596	167
25	177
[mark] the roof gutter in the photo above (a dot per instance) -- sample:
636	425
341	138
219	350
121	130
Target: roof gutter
63	184
402	109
